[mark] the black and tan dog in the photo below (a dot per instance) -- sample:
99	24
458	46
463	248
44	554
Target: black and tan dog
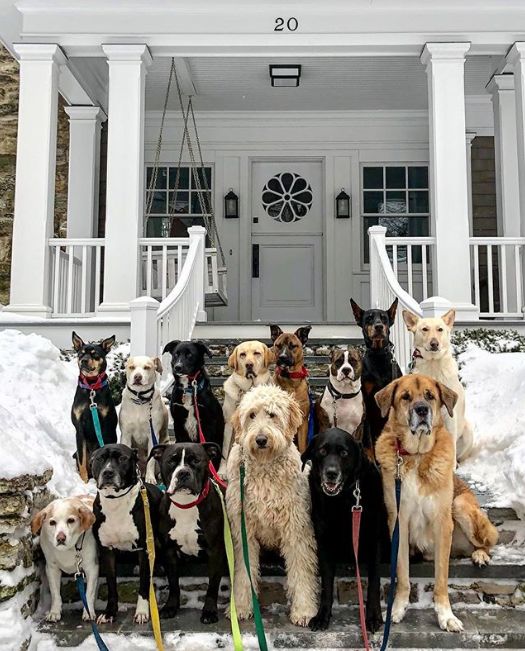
379	364
290	372
93	388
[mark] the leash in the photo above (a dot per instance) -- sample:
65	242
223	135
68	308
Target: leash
357	511
150	546
311	417
100	383
80	580
140	399
259	626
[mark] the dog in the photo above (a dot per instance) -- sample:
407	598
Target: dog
379	364
342	404
432	503
276	499
65	536
120	523
191	520
250	361
143	410
291	374
340	467
432	356
187	365
93	387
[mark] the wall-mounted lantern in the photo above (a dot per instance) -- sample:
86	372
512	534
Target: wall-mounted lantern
342	205
231	205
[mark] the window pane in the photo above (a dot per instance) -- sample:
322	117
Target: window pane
202	175
158	227
372	177
396	202
158	207
162	174
182	205
418	201
418	177
395	226
367	222
196	206
373	202
184	178
395	177
418	227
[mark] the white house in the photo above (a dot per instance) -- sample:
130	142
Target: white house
383	101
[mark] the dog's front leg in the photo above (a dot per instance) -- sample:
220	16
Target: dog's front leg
91	591
108	559
142	609
54	577
216	561
327	571
172	605
225	448
241	587
442	542
300	556
403	579
302	435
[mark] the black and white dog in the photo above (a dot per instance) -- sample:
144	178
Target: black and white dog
187	365
119	521
191	519
339	465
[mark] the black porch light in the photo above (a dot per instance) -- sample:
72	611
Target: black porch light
285	75
231	205
342	205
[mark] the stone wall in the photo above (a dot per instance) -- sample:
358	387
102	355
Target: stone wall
8	128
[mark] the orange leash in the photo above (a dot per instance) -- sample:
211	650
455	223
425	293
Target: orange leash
357	511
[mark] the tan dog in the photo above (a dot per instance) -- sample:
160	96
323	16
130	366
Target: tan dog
432	501
141	400
65	525
291	374
249	361
277	499
433	357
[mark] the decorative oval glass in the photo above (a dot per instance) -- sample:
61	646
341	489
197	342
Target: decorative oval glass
287	197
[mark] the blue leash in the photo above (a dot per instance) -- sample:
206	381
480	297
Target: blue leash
311	418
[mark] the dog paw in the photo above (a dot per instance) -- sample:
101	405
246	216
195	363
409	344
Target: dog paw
374	620
106	618
54	616
141	611
480	557
168	612
209	616
242	613
300	618
141	618
86	617
321	621
398	611
450	623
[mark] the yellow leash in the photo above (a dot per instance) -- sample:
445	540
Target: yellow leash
150	546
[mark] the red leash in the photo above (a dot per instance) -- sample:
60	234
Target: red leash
357	511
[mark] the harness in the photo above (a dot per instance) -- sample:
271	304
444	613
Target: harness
337	395
143	398
100	382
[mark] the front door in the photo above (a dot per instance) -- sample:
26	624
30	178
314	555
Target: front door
287	237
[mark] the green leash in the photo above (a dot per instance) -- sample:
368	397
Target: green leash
259	627
228	544
96	423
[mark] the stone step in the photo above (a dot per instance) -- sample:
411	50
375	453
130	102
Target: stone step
221	330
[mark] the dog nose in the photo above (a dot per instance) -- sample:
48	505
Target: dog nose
434	344
346	371
183	474
331	474
421	409
138	377
249	364
177	367
61	538
261	440
379	327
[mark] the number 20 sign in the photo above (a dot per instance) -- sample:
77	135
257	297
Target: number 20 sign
286	24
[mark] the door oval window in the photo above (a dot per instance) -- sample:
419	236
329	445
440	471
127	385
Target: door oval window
287	197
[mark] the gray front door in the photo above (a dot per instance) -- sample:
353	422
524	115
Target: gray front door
287	237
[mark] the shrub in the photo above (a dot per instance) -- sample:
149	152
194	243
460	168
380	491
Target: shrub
493	341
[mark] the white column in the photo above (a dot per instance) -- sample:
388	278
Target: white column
198	233
84	170
516	58
35	177
469	137
448	174
125	174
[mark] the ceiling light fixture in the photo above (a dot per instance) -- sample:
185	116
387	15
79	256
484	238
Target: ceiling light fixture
284	75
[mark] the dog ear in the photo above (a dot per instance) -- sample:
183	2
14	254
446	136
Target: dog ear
157	452
295	416
213	451
448	397
448	318
269	356
86	517
235	422
170	347
38	519
157	362
358	312
203	348
392	312
232	359
385	398
302	334
308	454
411	320
275	332
107	343
77	341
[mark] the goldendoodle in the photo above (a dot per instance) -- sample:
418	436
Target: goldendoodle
277	500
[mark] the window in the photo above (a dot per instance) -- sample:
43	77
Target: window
395	196
176	203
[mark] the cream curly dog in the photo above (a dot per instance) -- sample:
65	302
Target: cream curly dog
277	499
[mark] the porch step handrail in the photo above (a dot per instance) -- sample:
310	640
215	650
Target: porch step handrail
385	288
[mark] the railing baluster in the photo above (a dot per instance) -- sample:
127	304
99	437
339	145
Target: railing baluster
517	266
83	270
56	280
179	260
503	275
409	269
394	259
477	299
149	269
424	270
490	279
98	256
69	301
164	270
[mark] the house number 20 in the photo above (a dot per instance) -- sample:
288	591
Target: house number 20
289	25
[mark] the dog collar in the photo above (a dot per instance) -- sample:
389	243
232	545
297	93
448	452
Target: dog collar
93	384
203	495
337	395
292	375
142	397
194	383
401	450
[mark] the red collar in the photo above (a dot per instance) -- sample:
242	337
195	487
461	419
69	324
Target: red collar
401	450
202	496
193	377
93	384
293	375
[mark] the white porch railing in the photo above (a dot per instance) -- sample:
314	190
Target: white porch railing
411	259
385	288
497	264
76	274
162	260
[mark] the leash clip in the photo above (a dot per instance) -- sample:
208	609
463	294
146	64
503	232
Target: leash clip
92	395
357	495
399	463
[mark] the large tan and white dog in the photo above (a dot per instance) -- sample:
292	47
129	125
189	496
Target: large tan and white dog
249	361
65	531
432	356
438	512
277	499
141	400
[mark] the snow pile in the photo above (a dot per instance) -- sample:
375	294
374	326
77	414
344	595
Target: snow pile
35	407
495	387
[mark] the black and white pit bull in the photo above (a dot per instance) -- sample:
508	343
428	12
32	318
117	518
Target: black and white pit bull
190	520
187	365
119	521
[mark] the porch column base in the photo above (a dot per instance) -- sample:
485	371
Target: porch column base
42	311
113	309
436	306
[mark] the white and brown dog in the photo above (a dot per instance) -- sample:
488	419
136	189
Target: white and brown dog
277	502
143	413
432	356
65	537
250	362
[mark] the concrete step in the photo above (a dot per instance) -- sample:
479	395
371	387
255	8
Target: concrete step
226	330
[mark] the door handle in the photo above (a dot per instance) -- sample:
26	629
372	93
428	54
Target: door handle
255	261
